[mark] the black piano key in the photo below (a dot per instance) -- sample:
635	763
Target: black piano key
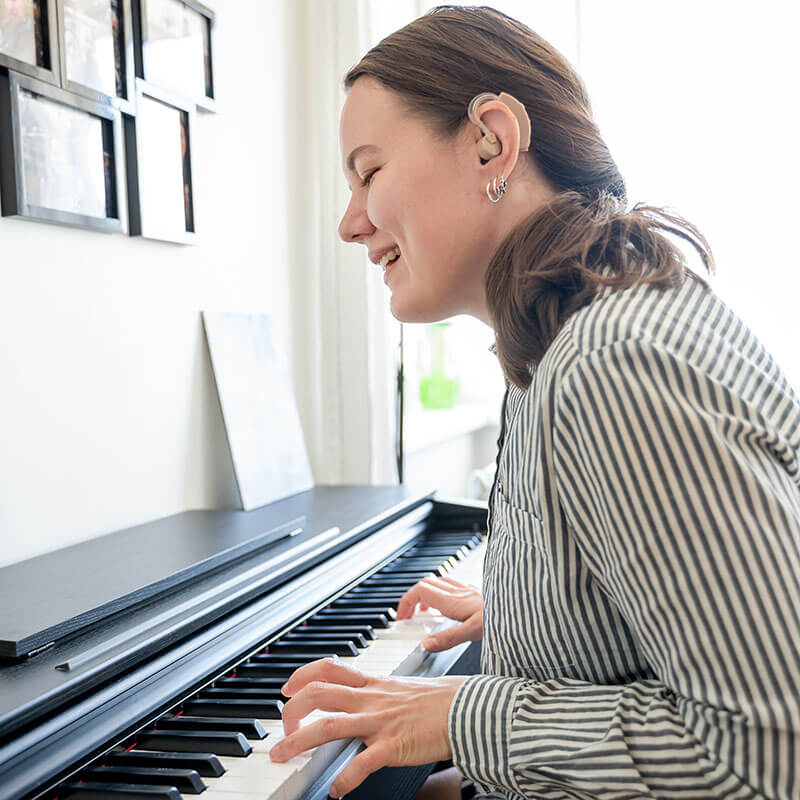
224	743
284	661
341	647
206	764
266	671
407	574
358	639
366	631
267	684
186	781
355	611
251	728
225	707
217	693
459	553
116	791
470	540
450	537
380	605
373	620
395	583
411	563
400	570
390	598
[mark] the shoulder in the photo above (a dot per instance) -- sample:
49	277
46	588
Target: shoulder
673	317
645	342
689	323
614	319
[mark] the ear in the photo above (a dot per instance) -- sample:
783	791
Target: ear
500	120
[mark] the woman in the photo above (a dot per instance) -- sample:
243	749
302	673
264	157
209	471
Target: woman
641	609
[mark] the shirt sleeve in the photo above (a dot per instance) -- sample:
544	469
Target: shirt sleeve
684	500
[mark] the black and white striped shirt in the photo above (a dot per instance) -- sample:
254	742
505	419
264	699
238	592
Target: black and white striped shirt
642	576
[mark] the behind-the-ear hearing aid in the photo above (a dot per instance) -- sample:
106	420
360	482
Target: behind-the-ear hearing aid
489	144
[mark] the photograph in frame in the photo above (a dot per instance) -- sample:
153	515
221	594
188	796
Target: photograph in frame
65	160
186	170
20	30
160	167
90	51
27	38
96	49
177	48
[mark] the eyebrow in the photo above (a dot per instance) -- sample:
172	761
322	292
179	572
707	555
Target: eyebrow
352	157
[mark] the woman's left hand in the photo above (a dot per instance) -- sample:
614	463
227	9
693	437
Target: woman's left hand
402	721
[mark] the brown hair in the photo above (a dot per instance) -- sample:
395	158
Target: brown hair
551	263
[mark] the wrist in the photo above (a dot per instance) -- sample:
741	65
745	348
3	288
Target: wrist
450	685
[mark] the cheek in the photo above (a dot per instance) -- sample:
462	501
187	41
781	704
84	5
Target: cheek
388	204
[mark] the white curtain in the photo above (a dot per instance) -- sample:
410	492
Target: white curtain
344	342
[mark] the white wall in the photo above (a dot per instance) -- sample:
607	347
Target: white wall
108	412
447	465
699	105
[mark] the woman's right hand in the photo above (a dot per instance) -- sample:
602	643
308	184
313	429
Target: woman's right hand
453	599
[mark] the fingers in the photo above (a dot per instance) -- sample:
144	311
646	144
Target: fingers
453	582
408	602
469	631
317	695
361	767
429	591
327	729
328	670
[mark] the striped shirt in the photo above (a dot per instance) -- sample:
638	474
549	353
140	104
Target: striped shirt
642	576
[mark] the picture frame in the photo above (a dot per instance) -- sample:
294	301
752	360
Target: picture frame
29	39
174	48
158	148
95	47
61	157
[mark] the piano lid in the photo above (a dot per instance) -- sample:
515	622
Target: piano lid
50	596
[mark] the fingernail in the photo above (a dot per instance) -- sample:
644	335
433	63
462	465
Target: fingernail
283	688
428	642
333	792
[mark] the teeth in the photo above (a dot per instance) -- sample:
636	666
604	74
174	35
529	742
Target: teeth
390	256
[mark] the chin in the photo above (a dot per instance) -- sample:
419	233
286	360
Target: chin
404	310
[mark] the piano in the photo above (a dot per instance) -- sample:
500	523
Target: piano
147	664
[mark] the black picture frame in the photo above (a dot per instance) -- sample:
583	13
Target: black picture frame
190	76
44	65
158	149
85	192
111	80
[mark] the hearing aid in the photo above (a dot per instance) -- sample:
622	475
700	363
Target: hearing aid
489	145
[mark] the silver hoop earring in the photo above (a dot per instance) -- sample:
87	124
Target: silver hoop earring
496	189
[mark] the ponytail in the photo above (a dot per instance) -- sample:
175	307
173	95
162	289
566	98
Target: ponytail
555	260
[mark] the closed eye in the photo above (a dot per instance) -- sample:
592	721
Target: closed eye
368	178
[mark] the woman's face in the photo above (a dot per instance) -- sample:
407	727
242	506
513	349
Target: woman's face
422	195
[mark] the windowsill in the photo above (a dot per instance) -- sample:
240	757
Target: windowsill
423	428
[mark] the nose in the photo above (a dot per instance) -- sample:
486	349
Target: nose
355	223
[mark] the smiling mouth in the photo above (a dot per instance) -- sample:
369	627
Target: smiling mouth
390	258
389	269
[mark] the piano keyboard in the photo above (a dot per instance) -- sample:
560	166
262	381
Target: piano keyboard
217	742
